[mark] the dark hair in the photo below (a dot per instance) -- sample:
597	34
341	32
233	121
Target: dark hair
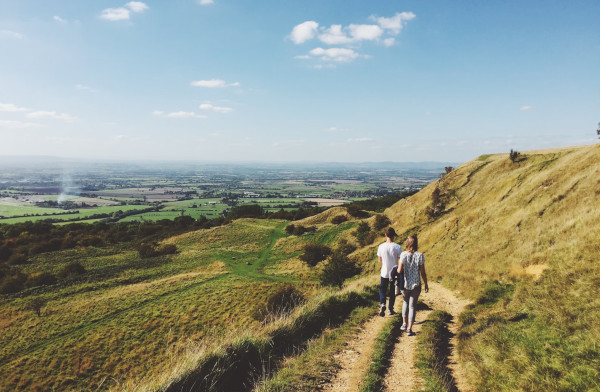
391	233
412	243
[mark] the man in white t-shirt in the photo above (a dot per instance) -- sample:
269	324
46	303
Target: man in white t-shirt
388	254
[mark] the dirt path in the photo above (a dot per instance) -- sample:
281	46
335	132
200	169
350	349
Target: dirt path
403	376
356	358
441	298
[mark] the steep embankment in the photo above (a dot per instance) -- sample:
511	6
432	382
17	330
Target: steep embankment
521	238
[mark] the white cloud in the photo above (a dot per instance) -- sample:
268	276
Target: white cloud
206	2
52	115
137	6
59	19
335	54
304	31
12	34
218	109
527	108
9	107
360	140
123	13
115	14
389	42
18	124
86	88
179	114
365	32
213	83
396	22
334	36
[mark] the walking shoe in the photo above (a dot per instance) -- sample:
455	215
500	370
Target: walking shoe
391	312
411	333
403	327
382	310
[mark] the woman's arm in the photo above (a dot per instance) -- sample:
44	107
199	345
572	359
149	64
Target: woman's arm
424	276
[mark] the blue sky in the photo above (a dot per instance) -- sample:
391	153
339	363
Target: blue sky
322	80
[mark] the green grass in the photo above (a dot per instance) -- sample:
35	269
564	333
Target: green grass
432	354
382	354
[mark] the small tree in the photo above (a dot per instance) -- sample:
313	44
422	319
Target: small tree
36	304
514	155
363	234
338	269
314	254
72	269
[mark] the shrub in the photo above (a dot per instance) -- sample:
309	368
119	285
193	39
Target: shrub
338	270
364	235
514	155
71	270
17	258
36	304
345	248
314	254
13	283
339	219
380	222
167	249
290	229
281	302
355	211
147	250
41	279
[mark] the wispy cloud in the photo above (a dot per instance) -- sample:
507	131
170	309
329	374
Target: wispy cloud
83	87
360	140
396	23
335	54
205	2
9	107
42	114
59	19
123	13
179	114
218	109
527	108
213	83
18	124
11	34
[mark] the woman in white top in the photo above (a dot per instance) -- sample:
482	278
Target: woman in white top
412	263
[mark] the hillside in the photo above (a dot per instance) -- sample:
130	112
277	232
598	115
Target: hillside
521	238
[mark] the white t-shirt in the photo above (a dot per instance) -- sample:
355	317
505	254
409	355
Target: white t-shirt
389	253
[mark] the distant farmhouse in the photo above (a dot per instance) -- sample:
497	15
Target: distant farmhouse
251	194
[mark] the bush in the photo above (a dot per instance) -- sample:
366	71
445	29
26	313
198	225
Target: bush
167	249
36	305
364	235
381	221
339	219
345	248
299	230
152	250
290	229
338	270
17	258
514	155
41	279
71	270
281	302
355	211
13	283
314	254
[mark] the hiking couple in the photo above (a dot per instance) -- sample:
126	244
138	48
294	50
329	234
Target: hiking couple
401	270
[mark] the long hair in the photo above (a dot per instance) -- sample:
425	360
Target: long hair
412	243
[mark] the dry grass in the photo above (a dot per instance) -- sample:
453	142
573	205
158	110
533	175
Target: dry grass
535	225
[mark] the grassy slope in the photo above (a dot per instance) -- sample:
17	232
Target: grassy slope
533	226
127	316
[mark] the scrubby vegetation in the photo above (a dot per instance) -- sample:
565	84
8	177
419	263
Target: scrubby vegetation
432	357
